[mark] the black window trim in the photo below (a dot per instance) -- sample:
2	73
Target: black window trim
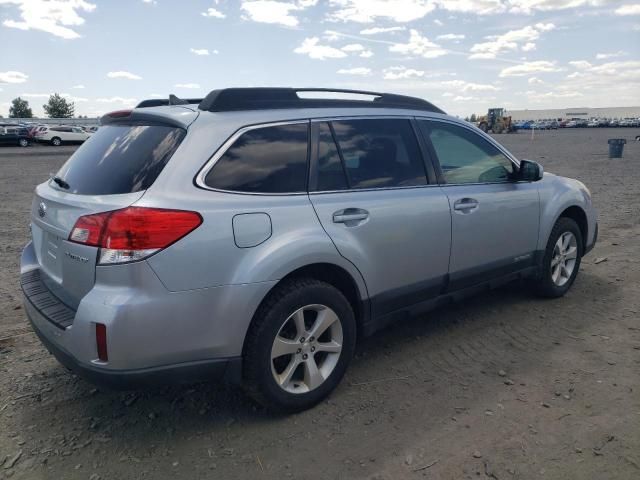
313	164
199	180
473	130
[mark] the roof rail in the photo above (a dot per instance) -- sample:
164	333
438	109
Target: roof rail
172	100
237	99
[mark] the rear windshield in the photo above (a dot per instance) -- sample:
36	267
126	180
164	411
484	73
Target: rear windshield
119	159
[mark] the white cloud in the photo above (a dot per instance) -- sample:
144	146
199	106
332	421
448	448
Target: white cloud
528	47
451	36
366	11
311	47
633	9
187	85
530	6
480	7
213	12
272	11
78	86
127	101
460	98
438	22
528	68
353	47
418	46
604	56
355	71
366	54
54	17
199	51
464	87
401	73
126	75
377	30
535	81
510	41
13	77
581	64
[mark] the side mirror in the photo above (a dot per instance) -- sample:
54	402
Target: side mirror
530	171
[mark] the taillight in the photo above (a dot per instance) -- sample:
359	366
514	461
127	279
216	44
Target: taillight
133	233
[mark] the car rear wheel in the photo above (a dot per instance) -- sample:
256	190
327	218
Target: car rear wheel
299	345
56	142
561	260
23	142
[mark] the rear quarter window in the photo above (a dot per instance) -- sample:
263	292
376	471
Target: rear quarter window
120	159
271	159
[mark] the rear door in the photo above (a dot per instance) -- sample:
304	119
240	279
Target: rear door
371	194
110	172
495	218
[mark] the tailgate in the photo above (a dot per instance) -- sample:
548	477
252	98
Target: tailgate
68	269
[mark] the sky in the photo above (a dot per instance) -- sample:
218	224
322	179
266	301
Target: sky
462	55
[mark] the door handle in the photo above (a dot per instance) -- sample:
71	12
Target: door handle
349	215
465	205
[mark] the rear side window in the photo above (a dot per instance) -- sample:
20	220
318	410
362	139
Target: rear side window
120	159
331	174
380	153
264	160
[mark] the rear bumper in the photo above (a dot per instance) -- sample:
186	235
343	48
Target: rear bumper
225	369
153	335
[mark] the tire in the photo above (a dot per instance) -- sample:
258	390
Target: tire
23	142
288	382
56	142
553	281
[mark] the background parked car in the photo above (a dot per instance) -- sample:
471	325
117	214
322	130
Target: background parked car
14	135
62	134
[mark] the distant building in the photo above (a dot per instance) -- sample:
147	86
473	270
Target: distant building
577	113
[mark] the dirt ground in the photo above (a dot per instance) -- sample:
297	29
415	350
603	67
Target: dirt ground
501	386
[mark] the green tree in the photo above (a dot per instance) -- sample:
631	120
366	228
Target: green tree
473	118
20	109
58	107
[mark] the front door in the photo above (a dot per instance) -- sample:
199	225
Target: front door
373	199
495	218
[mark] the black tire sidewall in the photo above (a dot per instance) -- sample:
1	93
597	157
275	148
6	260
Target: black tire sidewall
258	376
546	285
53	142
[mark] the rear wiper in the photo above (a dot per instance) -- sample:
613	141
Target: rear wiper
61	183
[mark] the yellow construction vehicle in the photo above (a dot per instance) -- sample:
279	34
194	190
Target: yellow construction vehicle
495	121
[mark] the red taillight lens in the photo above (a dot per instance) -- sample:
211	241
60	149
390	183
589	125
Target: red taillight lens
101	342
133	233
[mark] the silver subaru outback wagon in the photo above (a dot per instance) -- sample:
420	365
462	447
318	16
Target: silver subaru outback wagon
253	235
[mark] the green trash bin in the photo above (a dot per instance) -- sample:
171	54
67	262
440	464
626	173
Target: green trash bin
616	146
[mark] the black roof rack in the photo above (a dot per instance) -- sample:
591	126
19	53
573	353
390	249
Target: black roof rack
237	99
172	100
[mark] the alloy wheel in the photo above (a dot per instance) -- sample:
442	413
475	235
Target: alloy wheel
306	349
565	256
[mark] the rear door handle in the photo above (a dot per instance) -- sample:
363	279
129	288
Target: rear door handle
350	216
465	205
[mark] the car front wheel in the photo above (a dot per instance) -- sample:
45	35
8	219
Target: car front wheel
299	345
56	142
561	260
23	142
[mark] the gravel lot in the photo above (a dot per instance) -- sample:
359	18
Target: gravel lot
502	386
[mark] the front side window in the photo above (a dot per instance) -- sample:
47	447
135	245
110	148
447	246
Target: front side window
380	153
264	160
466	157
